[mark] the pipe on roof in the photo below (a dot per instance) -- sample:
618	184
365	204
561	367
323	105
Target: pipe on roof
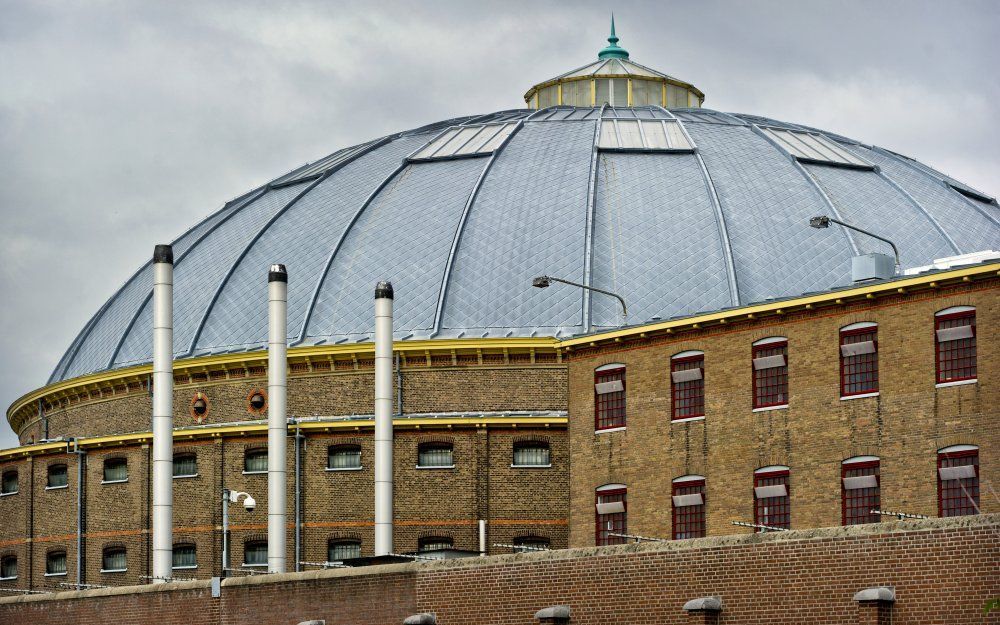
163	412
277	416
383	418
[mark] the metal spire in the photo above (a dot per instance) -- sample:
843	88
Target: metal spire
613	50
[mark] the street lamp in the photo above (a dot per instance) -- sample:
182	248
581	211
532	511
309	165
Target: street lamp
228	497
822	221
543	282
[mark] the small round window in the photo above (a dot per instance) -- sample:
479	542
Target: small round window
257	401
199	407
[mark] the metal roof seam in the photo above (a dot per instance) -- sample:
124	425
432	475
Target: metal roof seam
920	207
588	239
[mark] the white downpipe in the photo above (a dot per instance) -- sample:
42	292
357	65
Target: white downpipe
277	416
163	412
482	537
383	419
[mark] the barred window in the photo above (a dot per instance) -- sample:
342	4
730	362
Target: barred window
858	359
772	506
689	506
115	470
57	476
255	461
341	457
955	334
339	550
531	454
687	385
255	553
185	465
958	480
434	543
8	568
9	483
185	556
770	373
439	455
860	490
609	397
611	515
531	543
55	563
114	560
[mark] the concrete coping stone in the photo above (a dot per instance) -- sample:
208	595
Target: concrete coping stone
704	604
424	618
879	593
555	611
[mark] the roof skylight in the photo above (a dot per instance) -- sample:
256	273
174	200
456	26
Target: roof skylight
814	148
464	141
648	135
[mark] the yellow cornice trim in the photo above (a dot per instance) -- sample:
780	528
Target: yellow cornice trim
786	305
558	81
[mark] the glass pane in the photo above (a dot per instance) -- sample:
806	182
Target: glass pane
185	465
256	461
609	138
577	93
185	556
114	560
629	131
603	93
344	458
57	476
435	457
115	471
498	138
460	138
55	563
9	567
677	139
474	144
656	136
255	553
343	551
9	482
619	92
548	96
535	455
437	143
646	93
430	544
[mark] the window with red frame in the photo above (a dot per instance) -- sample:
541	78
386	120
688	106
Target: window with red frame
955	334
859	360
609	398
689	507
770	374
772	506
687	386
958	482
859	485
611	515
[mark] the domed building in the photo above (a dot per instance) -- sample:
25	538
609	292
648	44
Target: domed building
614	178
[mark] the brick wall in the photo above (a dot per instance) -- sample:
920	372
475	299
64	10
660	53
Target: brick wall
942	570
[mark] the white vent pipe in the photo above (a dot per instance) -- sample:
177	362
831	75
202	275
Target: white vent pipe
383	419
163	412
277	415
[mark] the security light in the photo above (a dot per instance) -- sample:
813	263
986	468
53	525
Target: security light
821	221
541	282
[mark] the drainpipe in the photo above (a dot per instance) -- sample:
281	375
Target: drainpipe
81	458
298	496
277	417
383	419
482	537
163	412
399	386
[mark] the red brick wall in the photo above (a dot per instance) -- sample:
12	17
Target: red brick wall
943	571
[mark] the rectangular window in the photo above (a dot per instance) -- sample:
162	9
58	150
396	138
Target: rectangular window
185	557
115	470
255	554
435	543
689	508
8	568
958	483
186	465
343	457
810	147
609	398
255	461
114	561
858	361
647	135
55	563
465	141
772	506
436	455
343	550
9	485
531	455
611	516
956	346
687	386
57	477
770	374
860	492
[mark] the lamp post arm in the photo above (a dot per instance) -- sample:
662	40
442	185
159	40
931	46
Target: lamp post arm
591	288
895	250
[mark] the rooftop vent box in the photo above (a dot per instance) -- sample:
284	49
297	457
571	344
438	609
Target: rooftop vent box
872	267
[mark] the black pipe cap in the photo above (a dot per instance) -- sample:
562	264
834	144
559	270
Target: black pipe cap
383	290
277	274
163	254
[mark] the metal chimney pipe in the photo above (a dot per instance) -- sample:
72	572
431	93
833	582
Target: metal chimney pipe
163	413
383	419
277	416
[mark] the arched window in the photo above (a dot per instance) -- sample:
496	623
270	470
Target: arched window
115	470
343	457
859	359
57	476
772	505
340	549
687	385
611	515
958	480
531	454
255	553
955	350
55	563
609	397
186	465
114	560
435	456
255	461
770	372
860	490
531	543
689	506
185	556
8	568
8	486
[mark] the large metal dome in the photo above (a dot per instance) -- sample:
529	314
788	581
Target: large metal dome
693	210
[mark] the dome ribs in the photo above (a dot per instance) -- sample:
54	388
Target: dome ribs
588	239
919	207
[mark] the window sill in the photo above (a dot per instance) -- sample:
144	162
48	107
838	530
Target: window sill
255	473
443	466
344	469
859	396
767	408
7	495
114	481
957	383
8	579
688	419
606	430
183	568
531	466
114	570
57	487
186	477
55	575
253	566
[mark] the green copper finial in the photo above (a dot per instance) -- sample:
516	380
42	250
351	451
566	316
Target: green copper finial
613	50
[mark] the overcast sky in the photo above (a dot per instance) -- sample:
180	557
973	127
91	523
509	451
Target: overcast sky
123	123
